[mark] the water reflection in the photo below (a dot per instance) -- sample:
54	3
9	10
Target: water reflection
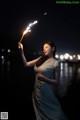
79	73
68	71
64	78
4	69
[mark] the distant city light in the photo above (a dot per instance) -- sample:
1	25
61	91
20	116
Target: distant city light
61	57
9	50
2	57
74	56
70	57
56	56
78	57
66	56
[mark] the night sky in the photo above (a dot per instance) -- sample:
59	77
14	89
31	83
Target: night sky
61	24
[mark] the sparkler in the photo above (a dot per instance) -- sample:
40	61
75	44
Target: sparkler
28	29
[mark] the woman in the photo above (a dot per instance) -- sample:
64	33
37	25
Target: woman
45	101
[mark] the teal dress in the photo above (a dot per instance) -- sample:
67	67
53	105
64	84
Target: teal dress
45	102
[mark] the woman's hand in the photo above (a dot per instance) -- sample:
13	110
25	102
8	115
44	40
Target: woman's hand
39	76
45	79
20	46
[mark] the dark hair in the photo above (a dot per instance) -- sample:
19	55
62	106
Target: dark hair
43	57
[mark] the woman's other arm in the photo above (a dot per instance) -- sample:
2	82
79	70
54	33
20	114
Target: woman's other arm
48	80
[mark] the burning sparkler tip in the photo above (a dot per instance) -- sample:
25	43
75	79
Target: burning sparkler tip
28	29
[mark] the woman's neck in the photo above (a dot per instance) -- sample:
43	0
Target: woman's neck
50	56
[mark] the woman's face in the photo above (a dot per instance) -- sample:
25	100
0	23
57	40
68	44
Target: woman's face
47	49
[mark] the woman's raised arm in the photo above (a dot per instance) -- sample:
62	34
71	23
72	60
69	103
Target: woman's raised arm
25	62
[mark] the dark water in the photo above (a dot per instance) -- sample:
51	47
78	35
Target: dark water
69	73
16	84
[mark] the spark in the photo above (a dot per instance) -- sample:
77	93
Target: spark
45	13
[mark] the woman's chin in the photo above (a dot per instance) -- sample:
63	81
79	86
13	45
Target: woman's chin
45	54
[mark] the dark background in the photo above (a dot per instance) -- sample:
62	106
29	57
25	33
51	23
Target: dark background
61	24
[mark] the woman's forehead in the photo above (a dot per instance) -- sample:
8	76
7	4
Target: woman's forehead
45	45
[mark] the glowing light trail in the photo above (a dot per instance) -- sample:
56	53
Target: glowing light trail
28	29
